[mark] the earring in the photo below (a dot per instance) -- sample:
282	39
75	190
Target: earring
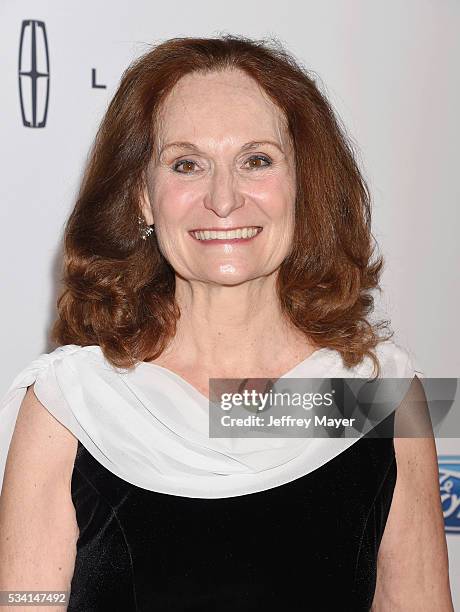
146	230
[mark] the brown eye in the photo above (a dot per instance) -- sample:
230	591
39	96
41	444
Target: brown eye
188	164
255	162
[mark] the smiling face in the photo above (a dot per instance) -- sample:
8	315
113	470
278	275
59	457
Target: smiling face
224	160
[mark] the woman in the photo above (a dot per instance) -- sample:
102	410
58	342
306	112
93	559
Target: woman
222	230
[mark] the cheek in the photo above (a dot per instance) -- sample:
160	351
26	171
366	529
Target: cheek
174	200
276	194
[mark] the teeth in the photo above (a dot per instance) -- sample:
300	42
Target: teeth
246	232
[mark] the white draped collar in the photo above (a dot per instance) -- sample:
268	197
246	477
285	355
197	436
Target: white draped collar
149	426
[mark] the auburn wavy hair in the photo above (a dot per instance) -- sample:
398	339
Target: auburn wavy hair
119	290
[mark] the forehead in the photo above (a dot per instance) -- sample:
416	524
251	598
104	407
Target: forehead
218	106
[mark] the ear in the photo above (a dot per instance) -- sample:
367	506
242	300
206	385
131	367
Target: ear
146	207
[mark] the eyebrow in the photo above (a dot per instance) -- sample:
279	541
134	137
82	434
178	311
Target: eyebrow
253	144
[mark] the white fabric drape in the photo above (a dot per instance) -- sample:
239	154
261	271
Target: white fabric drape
150	427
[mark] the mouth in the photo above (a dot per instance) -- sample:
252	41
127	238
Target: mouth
217	235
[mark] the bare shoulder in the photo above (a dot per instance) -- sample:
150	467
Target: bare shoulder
41	448
36	508
413	567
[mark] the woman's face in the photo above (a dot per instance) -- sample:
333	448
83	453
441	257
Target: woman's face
224	161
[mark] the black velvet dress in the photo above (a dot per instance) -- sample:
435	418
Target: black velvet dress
310	544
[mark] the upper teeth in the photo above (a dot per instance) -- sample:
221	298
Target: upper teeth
244	232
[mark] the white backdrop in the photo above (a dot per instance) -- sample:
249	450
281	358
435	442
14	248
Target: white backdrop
391	70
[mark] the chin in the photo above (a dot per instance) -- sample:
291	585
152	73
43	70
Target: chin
229	274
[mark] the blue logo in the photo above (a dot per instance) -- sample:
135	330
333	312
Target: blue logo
449	484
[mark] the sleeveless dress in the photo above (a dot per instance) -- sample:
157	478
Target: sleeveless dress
314	539
289	526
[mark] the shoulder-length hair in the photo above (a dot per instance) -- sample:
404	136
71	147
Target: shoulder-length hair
119	290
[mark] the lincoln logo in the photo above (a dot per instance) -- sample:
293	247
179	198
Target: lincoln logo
34	73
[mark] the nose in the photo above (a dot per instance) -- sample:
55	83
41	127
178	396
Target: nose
223	195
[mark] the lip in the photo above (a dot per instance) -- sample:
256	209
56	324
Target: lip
222	229
224	240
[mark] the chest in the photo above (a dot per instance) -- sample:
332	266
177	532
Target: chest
152	549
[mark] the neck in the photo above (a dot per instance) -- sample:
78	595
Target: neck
234	329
